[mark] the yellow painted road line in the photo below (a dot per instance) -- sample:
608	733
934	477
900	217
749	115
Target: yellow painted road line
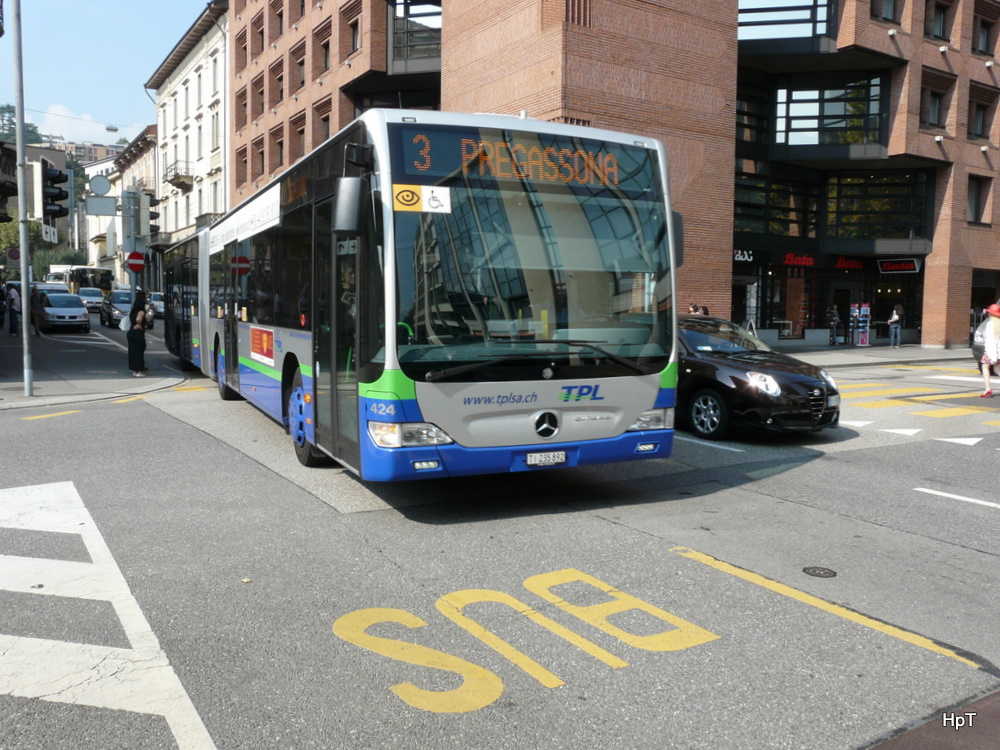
833	609
191	388
126	400
957	411
57	414
851	386
945	397
993	424
885	403
887	392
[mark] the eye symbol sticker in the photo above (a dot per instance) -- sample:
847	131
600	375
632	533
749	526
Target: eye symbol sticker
407	197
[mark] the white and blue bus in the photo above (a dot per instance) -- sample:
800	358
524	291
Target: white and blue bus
433	294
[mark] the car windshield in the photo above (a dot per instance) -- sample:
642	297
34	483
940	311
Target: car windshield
156	297
63	300
722	336
121	298
90	292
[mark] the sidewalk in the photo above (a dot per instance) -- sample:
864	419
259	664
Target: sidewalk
50	387
57	379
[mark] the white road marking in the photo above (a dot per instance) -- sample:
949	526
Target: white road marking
708	444
957	497
138	679
845	423
960	441
908	433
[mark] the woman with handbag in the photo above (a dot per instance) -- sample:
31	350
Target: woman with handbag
991	351
136	336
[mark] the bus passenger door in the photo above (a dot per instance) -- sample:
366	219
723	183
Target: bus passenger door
335	308
230	320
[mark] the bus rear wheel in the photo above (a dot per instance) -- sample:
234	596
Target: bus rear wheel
304	451
225	392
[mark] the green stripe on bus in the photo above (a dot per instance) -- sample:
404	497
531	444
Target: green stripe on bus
668	378
391	381
261	368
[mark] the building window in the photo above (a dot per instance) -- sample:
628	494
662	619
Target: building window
200	152
752	115
979	193
767	204
258	96
935	98
851	112
757	19
887	10
241	165
937	21
978	120
884	205
355	34
241	52
257	151
416	29
298	66
982	38
257	35
215	75
215	130
297	135
277	148
277	83
241	109
324	56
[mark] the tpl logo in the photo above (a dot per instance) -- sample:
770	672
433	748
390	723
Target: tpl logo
580	393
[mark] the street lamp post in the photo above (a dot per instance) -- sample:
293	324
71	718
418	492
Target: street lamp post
22	193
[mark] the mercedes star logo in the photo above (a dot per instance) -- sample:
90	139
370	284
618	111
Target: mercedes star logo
546	424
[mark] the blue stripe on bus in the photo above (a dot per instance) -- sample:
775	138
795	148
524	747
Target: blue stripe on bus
394	464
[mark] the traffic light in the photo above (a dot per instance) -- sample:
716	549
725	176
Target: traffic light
147	216
52	194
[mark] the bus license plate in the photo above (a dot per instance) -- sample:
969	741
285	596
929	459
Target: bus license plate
550	458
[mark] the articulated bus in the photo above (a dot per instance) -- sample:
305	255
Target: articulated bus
433	294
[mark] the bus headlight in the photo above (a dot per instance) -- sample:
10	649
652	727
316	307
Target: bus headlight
406	434
654	419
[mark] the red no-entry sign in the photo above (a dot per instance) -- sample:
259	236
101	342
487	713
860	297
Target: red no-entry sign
135	262
241	265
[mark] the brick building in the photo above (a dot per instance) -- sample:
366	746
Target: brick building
822	152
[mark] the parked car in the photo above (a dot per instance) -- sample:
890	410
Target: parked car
92	297
156	301
117	303
731	379
64	311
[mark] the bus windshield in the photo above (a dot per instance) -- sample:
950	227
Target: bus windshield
515	249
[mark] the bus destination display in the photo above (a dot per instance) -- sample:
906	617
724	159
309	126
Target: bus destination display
505	155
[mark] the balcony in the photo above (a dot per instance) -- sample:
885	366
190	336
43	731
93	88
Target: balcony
179	174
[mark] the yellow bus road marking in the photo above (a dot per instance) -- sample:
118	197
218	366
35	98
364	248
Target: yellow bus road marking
993	424
944	397
885	403
829	607
957	411
57	414
126	400
851	386
887	392
191	388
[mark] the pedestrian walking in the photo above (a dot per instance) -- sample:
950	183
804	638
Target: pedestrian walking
136	336
36	306
13	308
833	320
991	352
896	327
694	309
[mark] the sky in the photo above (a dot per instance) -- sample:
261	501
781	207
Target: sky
86	62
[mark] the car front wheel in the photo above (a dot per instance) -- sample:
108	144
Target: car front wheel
709	415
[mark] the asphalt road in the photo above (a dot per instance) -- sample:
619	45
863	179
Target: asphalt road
823	591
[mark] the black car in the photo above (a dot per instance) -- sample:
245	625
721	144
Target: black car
729	378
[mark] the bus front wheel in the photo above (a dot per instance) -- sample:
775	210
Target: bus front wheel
304	451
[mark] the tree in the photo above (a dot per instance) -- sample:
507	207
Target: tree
8	128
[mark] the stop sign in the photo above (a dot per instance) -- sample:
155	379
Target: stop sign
135	262
241	265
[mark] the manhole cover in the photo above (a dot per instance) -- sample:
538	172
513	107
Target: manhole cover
820	572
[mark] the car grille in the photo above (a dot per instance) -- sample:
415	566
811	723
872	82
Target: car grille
817	400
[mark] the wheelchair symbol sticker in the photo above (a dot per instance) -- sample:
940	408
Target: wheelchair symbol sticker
435	200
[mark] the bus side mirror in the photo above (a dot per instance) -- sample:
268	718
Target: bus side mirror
678	222
347	209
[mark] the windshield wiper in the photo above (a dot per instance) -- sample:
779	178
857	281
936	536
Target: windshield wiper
433	376
635	366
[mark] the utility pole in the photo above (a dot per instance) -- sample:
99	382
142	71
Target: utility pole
22	198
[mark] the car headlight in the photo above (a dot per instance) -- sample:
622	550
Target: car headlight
407	434
828	378
654	419
764	382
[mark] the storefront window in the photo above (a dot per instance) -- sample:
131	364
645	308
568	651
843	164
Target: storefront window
768	205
